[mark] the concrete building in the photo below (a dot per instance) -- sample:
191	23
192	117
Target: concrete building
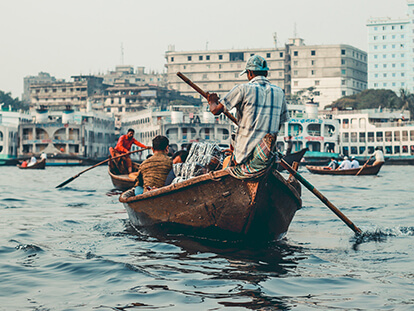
390	52
42	77
333	70
139	76
124	97
58	95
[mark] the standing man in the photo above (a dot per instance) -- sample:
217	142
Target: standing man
379	156
124	145
289	145
261	110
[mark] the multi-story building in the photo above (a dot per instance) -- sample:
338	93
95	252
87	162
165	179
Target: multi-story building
138	76
124	97
58	95
390	52
332	70
42	77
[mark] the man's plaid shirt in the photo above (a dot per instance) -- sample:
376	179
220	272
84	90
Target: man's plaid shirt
261	108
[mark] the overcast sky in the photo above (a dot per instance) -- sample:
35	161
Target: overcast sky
74	37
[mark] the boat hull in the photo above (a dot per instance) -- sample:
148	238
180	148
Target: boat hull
39	165
368	170
217	205
121	182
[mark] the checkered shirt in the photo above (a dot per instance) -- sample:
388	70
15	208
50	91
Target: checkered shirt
261	109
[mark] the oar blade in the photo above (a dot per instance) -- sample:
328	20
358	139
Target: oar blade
65	182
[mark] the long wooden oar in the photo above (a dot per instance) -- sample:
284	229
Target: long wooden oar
366	163
100	163
311	188
205	95
321	197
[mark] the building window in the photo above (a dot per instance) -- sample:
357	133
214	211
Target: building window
200	57
343	82
402	74
220	57
312	62
236	56
384	47
317	82
207	57
295	83
281	54
343	71
376	75
402	36
317	93
268	55
375	37
220	86
384	65
313	72
295	72
375	56
402	55
343	52
295	63
376	65
295	53
343	93
189	58
313	52
172	59
342	61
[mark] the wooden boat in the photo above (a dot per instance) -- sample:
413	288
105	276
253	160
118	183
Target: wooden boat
368	170
39	165
120	179
217	205
293	157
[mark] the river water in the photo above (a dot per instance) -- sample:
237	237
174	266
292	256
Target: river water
74	249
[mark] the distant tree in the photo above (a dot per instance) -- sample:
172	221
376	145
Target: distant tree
407	102
369	99
302	96
7	101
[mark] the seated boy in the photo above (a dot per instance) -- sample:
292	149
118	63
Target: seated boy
154	171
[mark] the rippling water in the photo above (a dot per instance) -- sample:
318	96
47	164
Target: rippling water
73	249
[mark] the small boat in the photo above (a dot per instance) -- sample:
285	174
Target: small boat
39	165
293	157
217	205
120	178
368	170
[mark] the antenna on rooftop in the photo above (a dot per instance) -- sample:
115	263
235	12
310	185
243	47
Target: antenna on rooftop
122	53
275	39
295	33
206	45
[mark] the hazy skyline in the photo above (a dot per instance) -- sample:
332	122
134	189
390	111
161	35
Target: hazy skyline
85	37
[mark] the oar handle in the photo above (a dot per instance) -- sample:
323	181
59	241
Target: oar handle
205	95
321	197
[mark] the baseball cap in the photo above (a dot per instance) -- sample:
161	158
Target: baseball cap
255	63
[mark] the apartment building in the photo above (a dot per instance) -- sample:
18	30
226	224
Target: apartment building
136	76
333	70
390	52
42	77
58	95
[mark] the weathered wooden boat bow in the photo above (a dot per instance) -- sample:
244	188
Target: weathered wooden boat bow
217	205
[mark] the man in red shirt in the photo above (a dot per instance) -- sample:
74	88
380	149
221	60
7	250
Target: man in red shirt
124	146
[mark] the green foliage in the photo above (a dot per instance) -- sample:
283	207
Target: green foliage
14	103
369	99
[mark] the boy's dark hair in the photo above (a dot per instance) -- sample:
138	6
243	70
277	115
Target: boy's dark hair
131	130
160	143
183	154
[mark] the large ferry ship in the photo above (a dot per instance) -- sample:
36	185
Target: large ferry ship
182	124
361	131
67	137
186	124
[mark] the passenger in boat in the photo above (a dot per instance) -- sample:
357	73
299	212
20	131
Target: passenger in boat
261	110
24	164
379	156
289	143
333	165
354	163
153	171
178	157
124	145
32	161
43	156
345	164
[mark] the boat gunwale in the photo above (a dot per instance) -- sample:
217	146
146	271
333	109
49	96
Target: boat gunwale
214	176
